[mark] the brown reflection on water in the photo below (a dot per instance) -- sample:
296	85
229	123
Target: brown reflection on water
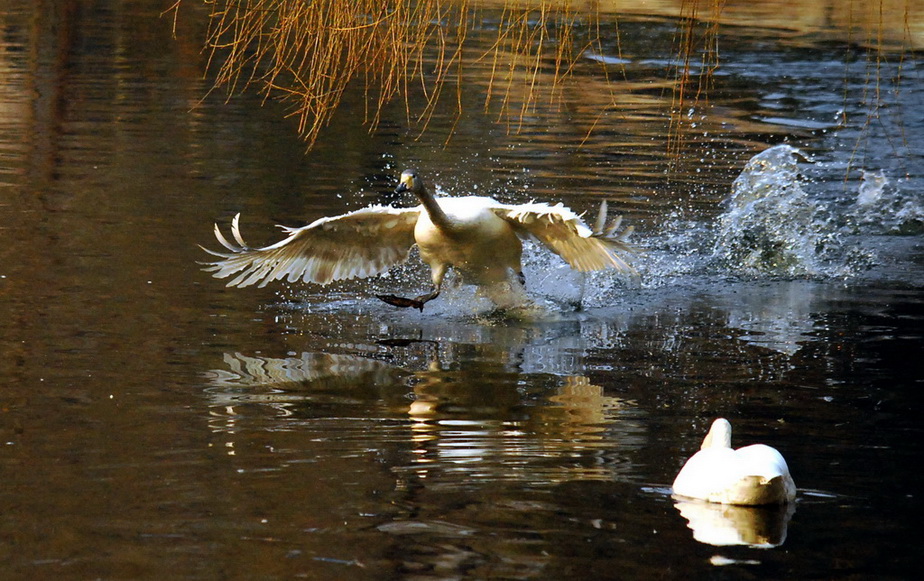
93	330
448	427
86	269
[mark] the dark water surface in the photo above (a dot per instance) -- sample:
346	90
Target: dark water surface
154	424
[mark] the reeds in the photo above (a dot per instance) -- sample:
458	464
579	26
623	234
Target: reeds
693	80
309	52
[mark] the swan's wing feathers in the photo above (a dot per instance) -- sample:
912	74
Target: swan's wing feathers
236	230
224	241
355	245
762	460
565	234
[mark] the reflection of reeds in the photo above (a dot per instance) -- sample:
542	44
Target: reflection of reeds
309	52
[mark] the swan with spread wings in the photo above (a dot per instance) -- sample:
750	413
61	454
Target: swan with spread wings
477	236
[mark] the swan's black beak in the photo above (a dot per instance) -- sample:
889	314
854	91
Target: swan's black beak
408	182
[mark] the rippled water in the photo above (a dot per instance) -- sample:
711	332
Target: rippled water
155	423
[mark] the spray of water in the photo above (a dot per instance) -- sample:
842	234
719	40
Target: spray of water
884	208
771	225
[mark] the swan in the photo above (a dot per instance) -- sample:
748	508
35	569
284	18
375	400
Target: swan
477	236
753	475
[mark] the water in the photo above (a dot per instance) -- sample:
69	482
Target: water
152	420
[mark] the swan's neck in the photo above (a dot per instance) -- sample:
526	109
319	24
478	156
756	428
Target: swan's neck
719	435
436	213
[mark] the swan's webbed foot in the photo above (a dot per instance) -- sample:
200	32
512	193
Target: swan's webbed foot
402	302
418	303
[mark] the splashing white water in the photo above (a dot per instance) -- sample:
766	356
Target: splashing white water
771	225
872	188
883	208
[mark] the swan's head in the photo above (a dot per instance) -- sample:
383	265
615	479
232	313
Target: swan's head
410	182
719	435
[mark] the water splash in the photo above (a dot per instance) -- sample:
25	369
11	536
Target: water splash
881	208
872	188
777	223
771	225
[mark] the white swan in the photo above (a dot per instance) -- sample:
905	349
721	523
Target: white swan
752	475
478	236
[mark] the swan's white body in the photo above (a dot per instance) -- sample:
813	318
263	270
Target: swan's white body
482	245
478	236
752	475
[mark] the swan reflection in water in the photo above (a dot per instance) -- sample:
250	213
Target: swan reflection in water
462	424
724	525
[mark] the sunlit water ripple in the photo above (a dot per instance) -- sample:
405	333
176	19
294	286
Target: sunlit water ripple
154	420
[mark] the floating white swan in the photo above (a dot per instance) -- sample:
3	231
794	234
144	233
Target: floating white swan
478	236
752	475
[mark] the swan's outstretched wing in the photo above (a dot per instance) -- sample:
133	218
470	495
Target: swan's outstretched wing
355	245
565	234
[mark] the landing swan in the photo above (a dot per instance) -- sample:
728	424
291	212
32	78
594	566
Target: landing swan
752	475
478	236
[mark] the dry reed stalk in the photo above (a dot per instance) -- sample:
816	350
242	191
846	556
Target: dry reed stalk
308	53
876	55
690	43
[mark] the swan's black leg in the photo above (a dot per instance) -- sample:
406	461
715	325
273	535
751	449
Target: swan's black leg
439	271
435	292
402	302
418	303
